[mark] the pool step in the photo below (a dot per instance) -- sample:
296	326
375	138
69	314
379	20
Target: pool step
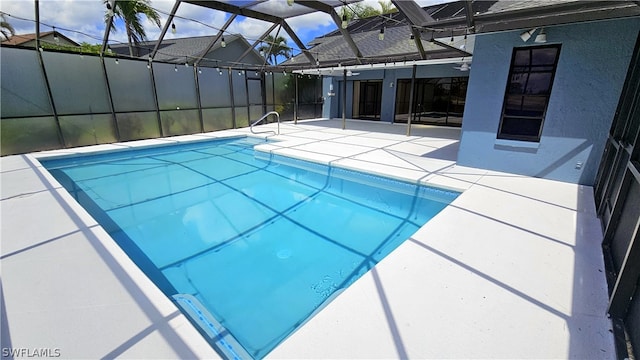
219	337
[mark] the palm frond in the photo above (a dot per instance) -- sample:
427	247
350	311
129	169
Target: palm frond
130	12
6	29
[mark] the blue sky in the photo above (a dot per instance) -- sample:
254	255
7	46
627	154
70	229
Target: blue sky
86	19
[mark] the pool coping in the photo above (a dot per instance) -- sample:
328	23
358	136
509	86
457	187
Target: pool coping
333	340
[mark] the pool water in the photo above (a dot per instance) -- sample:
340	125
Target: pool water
259	242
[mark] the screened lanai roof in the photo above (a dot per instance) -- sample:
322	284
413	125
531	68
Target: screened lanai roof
447	30
413	33
263	8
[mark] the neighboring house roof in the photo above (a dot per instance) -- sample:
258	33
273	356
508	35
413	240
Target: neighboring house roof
179	50
22	39
437	20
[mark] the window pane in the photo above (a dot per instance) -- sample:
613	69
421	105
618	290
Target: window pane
521	57
534	105
539	83
528	91
520	127
24	92
518	83
441	96
529	106
458	95
542	68
544	56
513	105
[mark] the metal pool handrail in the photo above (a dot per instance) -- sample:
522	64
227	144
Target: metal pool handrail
264	117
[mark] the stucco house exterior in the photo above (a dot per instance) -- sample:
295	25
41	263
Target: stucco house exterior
535	100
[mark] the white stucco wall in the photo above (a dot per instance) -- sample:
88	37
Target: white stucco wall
593	63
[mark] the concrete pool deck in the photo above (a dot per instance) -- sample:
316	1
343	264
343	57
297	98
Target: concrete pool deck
511	269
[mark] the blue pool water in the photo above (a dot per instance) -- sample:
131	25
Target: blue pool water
248	245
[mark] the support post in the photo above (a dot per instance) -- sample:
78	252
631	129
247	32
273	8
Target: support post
344	99
198	101
39	51
413	81
107	30
233	100
164	29
295	99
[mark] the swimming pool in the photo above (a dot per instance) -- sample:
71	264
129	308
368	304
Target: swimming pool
249	245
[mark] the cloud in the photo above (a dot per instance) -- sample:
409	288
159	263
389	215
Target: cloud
85	20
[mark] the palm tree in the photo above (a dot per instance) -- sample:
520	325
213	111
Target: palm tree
129	11
386	7
363	11
274	47
6	29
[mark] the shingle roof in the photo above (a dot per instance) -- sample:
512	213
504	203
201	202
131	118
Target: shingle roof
20	39
175	50
396	46
494	15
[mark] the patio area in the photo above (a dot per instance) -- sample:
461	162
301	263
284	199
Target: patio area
513	268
